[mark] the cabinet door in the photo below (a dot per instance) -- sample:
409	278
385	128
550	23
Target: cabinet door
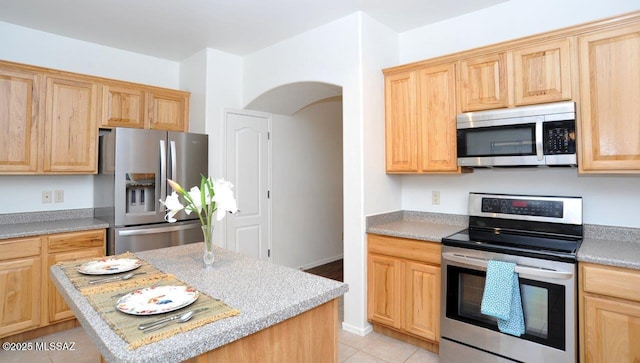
483	82
437	118
20	121
384	290
168	110
401	125
20	286
609	94
58	308
123	106
71	128
612	330
70	247
422	300
542	73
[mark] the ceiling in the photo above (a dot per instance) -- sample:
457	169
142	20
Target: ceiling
176	29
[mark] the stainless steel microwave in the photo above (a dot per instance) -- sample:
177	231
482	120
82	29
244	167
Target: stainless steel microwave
535	135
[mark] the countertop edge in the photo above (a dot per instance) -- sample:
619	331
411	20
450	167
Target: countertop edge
606	245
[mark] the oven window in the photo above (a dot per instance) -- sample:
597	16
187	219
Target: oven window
512	140
543	305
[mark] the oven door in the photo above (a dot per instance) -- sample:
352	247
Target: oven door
548	291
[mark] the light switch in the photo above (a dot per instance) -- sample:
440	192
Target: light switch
58	196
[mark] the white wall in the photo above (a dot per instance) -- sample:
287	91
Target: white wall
307	185
214	79
333	54
608	200
505	21
23	45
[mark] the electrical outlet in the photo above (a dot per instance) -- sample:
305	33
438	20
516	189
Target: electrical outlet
58	196
46	196
435	197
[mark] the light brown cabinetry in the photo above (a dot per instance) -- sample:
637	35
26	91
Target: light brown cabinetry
483	82
403	288
609	309
70	247
20	285
609	93
131	105
530	74
420	109
123	106
71	128
21	115
49	119
30	304
168	110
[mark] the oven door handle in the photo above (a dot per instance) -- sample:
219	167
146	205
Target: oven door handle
525	270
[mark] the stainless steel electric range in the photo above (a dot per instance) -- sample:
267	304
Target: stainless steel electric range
541	235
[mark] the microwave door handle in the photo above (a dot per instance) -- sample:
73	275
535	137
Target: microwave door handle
524	270
539	151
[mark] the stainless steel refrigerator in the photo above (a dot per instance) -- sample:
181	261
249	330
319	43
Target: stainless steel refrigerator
134	165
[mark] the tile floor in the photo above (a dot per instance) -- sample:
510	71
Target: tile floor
352	348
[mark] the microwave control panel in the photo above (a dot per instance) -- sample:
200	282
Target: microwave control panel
559	137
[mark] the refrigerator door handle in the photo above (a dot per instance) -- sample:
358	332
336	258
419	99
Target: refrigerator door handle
172	152
163	174
140	231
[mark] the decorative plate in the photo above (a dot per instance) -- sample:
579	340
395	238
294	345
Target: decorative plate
157	300
108	266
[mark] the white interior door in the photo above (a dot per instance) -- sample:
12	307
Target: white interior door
248	168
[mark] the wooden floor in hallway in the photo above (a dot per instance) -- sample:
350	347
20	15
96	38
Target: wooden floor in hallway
332	270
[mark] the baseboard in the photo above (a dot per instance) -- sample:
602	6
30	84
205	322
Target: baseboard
357	330
321	262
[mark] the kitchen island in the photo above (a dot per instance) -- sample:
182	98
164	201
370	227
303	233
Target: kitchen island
285	314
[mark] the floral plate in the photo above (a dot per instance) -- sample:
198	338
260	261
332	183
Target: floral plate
157	300
108	266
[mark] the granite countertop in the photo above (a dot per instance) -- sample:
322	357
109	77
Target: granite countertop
613	246
416	225
41	223
607	245
265	294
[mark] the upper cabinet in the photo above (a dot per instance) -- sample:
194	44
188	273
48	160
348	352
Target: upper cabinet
123	106
168	110
420	107
533	74
144	107
483	82
71	128
49	119
542	73
21	113
610	100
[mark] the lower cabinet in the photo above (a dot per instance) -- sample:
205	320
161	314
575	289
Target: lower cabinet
20	285
609	314
29	301
69	247
403	288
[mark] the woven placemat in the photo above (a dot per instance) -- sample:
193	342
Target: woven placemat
103	298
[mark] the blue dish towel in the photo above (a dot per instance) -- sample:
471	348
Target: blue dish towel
501	297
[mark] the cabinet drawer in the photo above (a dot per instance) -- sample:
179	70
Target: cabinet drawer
76	240
612	281
429	252
19	247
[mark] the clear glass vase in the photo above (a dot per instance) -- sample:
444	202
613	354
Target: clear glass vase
208	256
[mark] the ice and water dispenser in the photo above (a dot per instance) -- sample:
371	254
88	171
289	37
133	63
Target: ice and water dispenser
140	192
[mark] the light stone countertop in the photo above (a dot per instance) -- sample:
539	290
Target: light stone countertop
416	225
265	294
607	245
15	225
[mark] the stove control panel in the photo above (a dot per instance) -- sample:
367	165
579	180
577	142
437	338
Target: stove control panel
523	207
